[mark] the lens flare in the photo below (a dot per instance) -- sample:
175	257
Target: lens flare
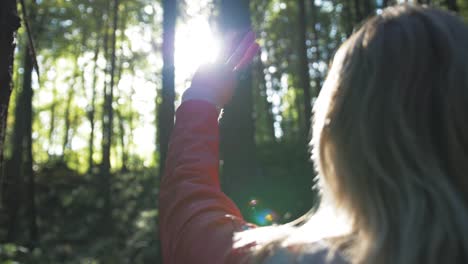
265	217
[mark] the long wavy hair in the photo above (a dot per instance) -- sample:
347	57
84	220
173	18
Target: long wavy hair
390	139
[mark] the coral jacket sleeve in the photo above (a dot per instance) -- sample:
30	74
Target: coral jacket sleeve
197	220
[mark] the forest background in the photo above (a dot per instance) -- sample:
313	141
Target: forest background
94	85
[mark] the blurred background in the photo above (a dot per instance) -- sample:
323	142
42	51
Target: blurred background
95	86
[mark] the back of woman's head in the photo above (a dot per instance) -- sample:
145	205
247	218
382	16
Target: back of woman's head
391	137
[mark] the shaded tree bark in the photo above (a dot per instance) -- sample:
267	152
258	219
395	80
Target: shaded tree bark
266	114
18	169
66	135
92	109
368	7
304	77
452	5
166	108
28	162
237	125
428	2
9	23
348	23
318	55
357	11
52	116
108	115
124	157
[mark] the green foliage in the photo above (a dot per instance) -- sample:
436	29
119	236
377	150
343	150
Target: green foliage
70	206
69	35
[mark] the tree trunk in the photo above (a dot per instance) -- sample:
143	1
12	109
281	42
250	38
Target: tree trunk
318	55
368	7
304	77
108	116
52	116
166	108
28	162
92	109
237	125
358	14
16	176
348	23
263	113
66	135
9	23
452	5
124	161
385	3
428	2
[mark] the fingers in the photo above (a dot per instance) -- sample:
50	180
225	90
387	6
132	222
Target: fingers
248	57
239	53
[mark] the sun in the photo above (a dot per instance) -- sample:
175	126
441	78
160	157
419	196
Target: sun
195	44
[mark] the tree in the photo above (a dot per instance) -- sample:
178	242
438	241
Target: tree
348	22
28	171
304	77
316	39
108	125
18	167
70	94
357	11
9	23
428	2
92	109
265	129
166	108
452	5
237	125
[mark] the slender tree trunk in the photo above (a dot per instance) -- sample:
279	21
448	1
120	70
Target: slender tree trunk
103	184
166	108
237	125
318	56
92	109
108	129
28	165
131	126
304	77
385	3
52	116
120	119
16	177
452	5
9	24
269	122
348	24
368	7
357	10
66	135
428	2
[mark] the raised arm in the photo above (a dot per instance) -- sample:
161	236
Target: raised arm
197	220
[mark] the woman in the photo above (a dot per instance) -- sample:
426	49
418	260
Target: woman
390	144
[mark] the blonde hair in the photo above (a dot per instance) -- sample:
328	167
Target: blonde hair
390	140
391	137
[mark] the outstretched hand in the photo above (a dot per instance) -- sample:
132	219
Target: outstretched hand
216	83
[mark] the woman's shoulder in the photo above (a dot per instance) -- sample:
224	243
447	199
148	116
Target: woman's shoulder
317	252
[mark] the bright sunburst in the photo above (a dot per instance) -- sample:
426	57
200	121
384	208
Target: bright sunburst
195	44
